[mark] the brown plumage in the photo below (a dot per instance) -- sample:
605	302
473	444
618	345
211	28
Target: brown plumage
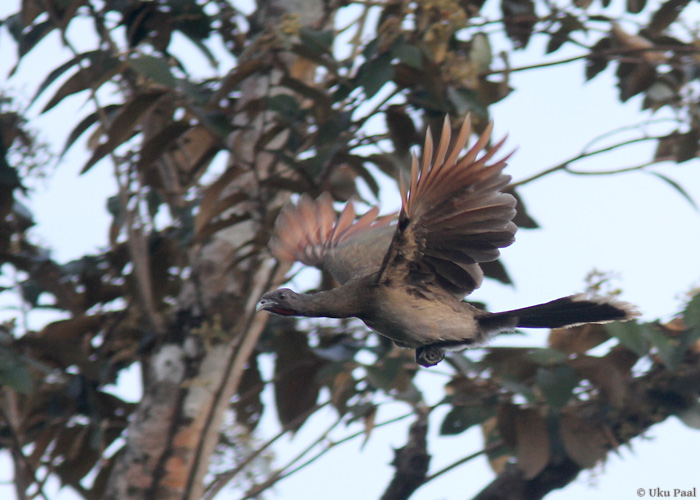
406	277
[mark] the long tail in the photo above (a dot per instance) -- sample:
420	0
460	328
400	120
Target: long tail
567	311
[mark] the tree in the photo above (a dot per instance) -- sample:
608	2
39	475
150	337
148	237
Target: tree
186	257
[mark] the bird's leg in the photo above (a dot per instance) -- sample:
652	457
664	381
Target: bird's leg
429	355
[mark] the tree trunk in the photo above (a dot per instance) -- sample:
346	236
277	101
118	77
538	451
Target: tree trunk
192	373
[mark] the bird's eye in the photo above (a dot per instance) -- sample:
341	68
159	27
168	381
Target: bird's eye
282	296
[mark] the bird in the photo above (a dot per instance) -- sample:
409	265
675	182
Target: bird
406	275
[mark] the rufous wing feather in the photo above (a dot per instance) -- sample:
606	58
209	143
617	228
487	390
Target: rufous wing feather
312	233
453	214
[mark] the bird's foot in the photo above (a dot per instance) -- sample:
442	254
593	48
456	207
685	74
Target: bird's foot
429	355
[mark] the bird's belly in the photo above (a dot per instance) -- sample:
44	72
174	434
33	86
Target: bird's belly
416	325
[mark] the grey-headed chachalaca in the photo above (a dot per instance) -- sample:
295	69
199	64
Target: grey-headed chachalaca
406	278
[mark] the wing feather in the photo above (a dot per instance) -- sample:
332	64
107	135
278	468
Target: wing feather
312	233
453	215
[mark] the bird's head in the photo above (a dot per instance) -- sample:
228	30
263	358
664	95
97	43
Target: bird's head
284	302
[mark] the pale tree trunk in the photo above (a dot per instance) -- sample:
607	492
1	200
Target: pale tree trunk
190	377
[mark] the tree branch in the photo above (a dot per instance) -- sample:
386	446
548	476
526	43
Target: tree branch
565	164
646	405
464	460
512	485
23	466
411	461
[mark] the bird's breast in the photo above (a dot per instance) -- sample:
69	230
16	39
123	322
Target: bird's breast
413	321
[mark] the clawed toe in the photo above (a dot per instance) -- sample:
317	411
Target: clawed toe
429	355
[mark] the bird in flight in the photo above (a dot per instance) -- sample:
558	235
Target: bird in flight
406	277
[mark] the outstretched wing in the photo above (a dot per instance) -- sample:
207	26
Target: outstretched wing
453	216
310	232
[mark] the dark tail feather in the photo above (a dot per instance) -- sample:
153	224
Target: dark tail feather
567	311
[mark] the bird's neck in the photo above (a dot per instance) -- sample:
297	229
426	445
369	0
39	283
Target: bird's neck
349	300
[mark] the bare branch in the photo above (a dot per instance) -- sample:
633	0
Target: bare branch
464	460
223	479
565	165
619	54
284	471
23	467
411	461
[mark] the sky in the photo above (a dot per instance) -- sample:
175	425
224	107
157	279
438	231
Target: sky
633	225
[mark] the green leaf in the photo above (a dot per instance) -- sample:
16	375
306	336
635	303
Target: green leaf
639	338
360	410
691	314
249	406
315	41
337	124
523	389
114	207
688	146
284	104
480	53
218	122
189	18
8	174
522	218
630	335
467	101
569	24
556	40
672	349
386	375
343	90
408	54
636	6
14	26
666	347
677	187
461	418
296	388
495	269
160	142
690	416
557	384
58	72
357	165
370	49
519	19
36	33
597	61
546	357
101	70
31	290
666	15
375	73
200	93
124	126
86	123
155	68
14	372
